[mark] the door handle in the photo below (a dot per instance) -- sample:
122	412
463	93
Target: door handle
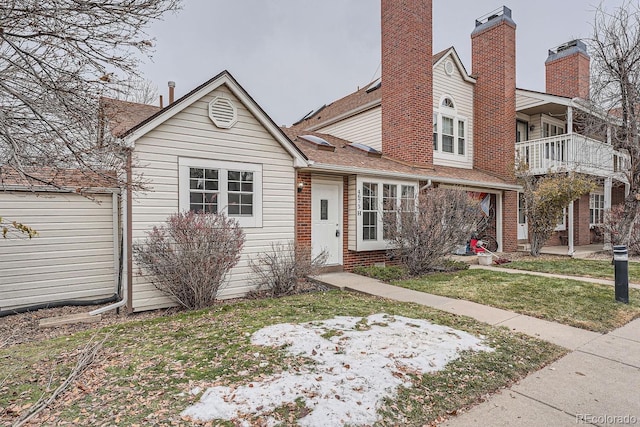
337	233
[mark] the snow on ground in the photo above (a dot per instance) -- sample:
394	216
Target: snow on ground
359	361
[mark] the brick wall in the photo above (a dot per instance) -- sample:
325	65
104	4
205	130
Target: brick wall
568	76
510	221
303	209
494	67
581	233
407	87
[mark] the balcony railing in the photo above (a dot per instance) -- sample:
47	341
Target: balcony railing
572	152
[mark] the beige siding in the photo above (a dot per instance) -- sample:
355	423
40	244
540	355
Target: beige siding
461	92
192	134
72	258
364	128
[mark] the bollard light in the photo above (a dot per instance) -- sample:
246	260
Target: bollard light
621	272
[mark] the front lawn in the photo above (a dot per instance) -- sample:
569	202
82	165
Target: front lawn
583	305
600	269
147	371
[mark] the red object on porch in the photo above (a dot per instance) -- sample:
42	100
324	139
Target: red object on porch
474	246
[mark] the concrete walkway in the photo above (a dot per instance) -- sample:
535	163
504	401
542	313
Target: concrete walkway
598	383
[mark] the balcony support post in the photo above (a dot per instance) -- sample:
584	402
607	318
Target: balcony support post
571	250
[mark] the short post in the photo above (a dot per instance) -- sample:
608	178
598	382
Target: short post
621	271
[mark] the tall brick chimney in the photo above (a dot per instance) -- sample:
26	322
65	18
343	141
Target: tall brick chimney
407	80
493	57
567	70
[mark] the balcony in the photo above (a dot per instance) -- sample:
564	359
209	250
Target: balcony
572	152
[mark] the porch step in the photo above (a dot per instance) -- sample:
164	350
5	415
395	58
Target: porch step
524	247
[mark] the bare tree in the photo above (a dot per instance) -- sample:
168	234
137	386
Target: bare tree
420	238
57	57
615	93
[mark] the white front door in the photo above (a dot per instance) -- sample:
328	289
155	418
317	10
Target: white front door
523	231
326	220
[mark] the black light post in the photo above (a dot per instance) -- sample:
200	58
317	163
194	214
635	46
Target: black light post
621	271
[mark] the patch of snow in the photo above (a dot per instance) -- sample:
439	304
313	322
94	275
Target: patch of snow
362	361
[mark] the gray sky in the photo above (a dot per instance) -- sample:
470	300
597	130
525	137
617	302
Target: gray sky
293	56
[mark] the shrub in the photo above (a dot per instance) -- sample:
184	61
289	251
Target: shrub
279	271
444	219
189	257
613	224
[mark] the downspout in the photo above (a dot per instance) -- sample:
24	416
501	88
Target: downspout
126	249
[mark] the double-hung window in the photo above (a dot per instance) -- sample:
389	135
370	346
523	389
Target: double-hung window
596	208
379	206
449	130
232	188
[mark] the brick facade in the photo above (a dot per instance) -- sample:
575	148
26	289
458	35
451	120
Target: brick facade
407	89
581	233
493	49
510	221
303	209
567	71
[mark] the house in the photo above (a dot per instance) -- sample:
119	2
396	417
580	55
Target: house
329	179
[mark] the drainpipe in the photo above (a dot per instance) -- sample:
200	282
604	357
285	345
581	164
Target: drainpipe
126	249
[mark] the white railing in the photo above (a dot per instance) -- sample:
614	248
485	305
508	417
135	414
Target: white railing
572	152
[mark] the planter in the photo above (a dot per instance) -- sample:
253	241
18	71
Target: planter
484	259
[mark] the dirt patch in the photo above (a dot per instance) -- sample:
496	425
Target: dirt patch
24	327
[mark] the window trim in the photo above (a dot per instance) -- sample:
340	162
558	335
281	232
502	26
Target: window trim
380	243
451	113
184	165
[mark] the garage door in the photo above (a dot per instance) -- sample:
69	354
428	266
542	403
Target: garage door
72	258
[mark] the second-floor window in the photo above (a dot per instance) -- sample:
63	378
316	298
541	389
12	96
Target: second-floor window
449	129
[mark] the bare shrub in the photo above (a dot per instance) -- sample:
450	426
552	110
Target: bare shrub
614	225
189	257
280	270
445	218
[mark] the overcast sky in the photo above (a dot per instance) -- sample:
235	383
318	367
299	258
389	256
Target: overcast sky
293	56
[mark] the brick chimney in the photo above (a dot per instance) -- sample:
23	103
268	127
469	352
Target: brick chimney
407	80
493	57
567	70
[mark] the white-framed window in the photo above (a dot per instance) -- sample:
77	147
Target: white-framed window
449	129
214	186
377	199
596	208
562	225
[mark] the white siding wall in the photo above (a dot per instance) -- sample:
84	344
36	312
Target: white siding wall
72	258
365	128
462	94
191	133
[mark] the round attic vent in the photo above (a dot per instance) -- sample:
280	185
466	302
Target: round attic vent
222	112
448	67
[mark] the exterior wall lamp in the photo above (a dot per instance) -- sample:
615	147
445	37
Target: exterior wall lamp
300	186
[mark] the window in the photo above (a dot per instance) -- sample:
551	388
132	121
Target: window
596	208
228	187
447	134
389	207
449	130
461	139
378	202
369	211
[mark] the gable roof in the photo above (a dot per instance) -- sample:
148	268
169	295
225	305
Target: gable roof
54	179
365	98
349	160
123	115
154	119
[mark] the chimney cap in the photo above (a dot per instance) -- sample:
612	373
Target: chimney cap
565	49
503	12
171	83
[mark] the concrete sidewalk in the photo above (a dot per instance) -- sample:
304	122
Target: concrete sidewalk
596	384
